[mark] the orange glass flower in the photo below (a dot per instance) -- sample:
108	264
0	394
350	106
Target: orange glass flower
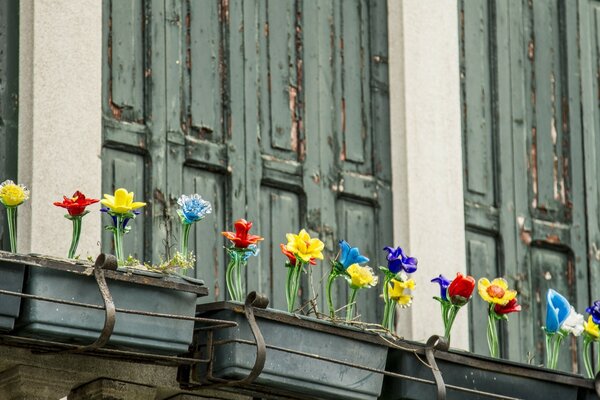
241	238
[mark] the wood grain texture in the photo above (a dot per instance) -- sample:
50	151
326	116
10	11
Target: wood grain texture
243	102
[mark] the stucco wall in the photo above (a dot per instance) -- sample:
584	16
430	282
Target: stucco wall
427	155
59	119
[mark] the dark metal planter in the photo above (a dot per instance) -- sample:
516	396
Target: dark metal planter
109	308
303	357
471	377
11	278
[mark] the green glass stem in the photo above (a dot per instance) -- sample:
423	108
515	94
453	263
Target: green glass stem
234	273
11	214
330	280
239	278
598	362
118	237
452	312
76	234
296	281
549	353
553	343
492	334
587	362
185	236
390	308
231	288
351	305
288	289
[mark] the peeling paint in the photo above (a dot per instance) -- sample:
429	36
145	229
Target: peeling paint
531	50
533	167
294	127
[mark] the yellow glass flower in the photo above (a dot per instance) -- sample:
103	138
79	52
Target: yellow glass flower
304	246
396	291
11	194
591	328
496	291
122	202
361	277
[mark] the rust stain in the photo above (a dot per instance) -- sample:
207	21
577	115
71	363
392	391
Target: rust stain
316	177
565	115
116	111
294	126
147	72
553	239
525	236
571	279
224	11
531	50
266	29
533	166
343	152
343	115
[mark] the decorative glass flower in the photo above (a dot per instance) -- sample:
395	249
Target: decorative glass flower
444	283
350	255
347	256
561	319
398	261
594	311
361	277
75	206
304	247
591	334
121	202
496	291
460	289
397	291
498	297
292	257
121	208
557	311
300	250
12	196
453	295
241	239
244	246
193	208
358	277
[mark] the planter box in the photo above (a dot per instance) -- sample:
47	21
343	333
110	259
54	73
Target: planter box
291	373
11	278
479	373
140	291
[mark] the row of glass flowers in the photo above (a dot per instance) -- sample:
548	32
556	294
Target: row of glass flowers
349	264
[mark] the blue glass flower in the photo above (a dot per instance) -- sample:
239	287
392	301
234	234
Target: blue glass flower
444	283
350	255
114	218
193	208
251	250
557	311
398	261
594	311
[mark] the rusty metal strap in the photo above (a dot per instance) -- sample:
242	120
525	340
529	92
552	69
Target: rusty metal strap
102	262
253	300
436	343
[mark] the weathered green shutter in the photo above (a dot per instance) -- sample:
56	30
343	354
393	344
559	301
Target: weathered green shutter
9	104
523	158
276	111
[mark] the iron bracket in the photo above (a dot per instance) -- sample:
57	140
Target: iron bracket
436	343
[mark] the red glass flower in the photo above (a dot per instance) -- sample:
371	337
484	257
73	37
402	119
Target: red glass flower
292	257
76	204
461	289
241	239
510	307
